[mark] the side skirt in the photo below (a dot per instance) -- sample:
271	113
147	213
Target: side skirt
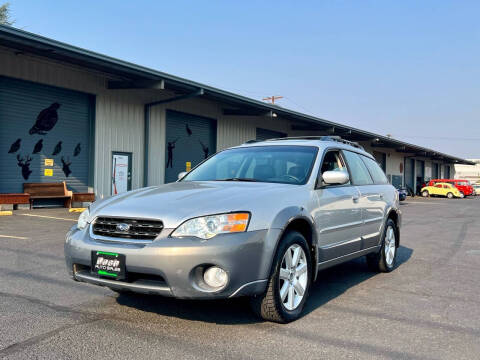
341	259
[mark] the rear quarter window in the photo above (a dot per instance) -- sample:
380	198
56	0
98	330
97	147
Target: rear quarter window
358	170
376	172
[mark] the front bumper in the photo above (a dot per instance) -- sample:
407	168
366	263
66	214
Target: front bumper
173	267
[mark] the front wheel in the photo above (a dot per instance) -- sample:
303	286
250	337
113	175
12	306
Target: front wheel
384	260
289	282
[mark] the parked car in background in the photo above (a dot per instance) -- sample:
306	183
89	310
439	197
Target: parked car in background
402	193
441	189
476	187
257	220
463	186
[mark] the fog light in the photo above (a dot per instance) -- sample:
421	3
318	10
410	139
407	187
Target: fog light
215	277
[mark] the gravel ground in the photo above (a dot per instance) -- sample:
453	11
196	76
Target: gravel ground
428	308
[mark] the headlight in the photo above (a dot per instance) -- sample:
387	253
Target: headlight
83	219
206	227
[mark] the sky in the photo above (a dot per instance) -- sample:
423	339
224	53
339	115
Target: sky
407	68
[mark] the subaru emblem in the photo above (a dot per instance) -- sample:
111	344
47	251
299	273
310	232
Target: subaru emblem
123	227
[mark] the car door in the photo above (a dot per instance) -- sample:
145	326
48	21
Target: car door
374	200
437	190
337	215
369	198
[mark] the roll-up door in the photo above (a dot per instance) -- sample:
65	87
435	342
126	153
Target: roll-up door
409	173
44	137
189	140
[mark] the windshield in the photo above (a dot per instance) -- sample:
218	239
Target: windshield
276	164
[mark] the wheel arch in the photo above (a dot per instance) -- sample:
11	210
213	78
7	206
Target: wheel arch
393	214
297	219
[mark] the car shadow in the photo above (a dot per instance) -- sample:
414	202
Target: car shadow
330	284
334	281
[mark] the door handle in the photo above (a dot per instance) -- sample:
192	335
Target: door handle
381	196
355	198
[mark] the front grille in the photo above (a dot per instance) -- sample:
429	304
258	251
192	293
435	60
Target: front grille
139	229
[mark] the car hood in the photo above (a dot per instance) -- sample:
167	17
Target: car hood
176	202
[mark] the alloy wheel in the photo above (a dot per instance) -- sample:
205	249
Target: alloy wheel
293	277
390	246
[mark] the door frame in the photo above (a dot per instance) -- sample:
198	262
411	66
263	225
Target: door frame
129	175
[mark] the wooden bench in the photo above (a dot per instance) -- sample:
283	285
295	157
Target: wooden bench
82	198
48	191
14	199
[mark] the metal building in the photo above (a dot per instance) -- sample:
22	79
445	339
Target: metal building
108	126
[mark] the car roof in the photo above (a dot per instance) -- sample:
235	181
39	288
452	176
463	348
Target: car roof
317	141
443	183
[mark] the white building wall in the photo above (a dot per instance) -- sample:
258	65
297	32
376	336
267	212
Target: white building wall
468	172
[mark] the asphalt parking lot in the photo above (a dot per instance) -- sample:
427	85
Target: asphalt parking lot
428	308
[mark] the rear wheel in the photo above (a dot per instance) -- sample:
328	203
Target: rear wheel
450	195
289	282
384	260
425	193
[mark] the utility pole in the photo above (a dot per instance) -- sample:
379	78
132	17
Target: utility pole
272	99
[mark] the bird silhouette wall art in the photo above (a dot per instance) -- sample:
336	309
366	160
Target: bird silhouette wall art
46	120
57	149
38	147
15	146
77	150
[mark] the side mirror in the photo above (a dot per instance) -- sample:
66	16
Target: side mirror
335	177
182	175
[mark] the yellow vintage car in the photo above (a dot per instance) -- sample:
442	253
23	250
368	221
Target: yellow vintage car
441	189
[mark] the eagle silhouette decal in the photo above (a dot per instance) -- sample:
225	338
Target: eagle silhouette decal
46	120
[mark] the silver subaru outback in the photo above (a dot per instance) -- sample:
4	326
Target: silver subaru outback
257	220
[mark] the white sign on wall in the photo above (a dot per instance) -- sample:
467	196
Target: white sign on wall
120	174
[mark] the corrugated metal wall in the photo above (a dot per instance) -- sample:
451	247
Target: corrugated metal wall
119	124
119	127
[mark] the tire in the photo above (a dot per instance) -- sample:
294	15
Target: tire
425	193
462	195
450	195
269	305
380	262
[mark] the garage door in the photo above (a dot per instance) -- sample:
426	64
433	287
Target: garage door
44	135
409	173
265	134
189	140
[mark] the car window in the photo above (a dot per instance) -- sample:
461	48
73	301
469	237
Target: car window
333	161
358	171
375	170
276	164
438	185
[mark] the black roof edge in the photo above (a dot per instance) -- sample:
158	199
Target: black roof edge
89	58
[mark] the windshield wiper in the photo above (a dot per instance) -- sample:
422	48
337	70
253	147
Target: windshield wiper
238	179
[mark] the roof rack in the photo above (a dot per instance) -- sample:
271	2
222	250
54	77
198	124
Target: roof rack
321	138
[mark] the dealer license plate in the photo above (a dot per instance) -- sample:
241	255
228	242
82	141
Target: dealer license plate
108	264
